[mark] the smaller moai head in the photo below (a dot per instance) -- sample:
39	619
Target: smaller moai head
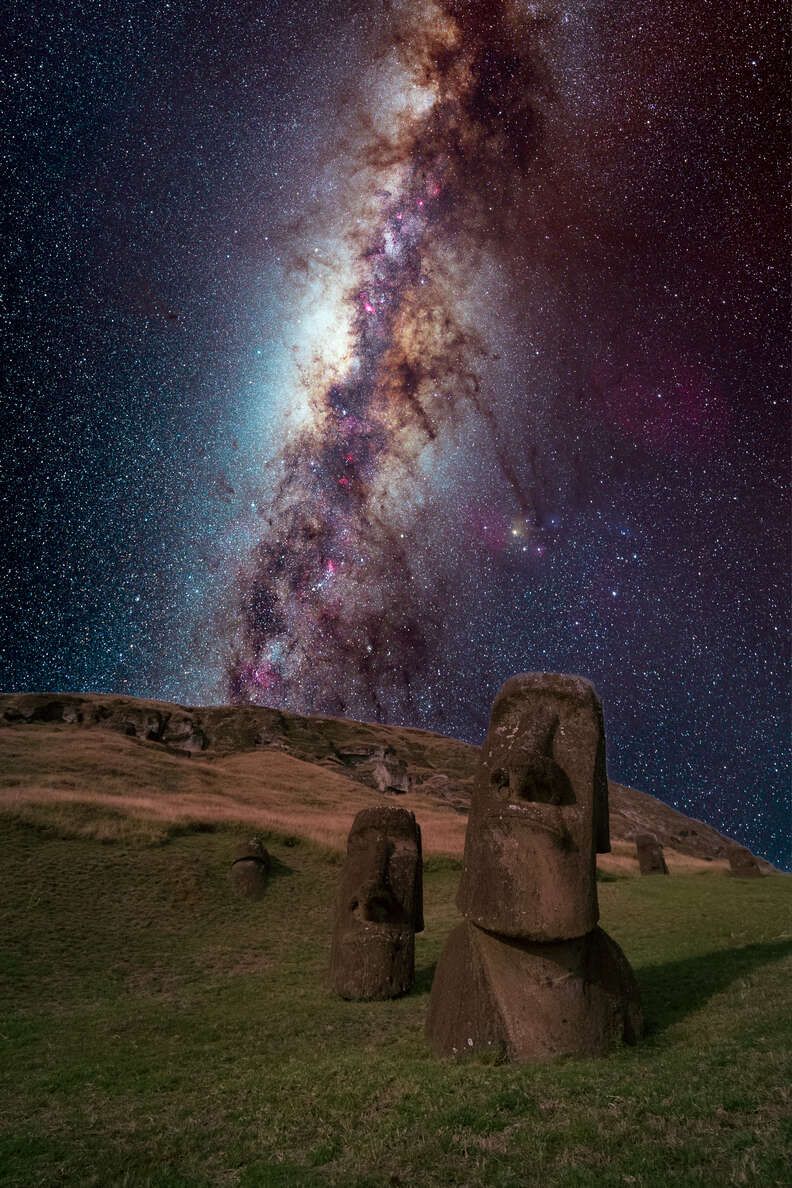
651	859
379	907
539	812
743	864
250	869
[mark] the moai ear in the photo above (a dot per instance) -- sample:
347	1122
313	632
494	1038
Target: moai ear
601	813
419	920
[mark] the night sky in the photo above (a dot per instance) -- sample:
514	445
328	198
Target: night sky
357	356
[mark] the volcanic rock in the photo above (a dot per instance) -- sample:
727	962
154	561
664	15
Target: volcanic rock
528	972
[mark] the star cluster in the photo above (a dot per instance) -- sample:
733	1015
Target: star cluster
359	356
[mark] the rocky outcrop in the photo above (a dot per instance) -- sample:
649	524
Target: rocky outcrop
389	759
377	766
173	726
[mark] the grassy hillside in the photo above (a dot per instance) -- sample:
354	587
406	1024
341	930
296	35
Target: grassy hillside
156	1031
271	770
261	789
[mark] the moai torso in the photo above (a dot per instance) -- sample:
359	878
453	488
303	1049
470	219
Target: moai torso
379	907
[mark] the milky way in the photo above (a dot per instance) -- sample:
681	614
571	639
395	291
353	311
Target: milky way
333	617
359	356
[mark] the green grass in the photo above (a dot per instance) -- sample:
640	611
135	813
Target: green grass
154	1030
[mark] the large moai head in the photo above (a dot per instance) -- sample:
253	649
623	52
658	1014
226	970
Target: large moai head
539	813
379	906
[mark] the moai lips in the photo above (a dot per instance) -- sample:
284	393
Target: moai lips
539	813
379	906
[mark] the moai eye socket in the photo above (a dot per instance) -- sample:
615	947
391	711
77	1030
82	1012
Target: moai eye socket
382	908
541	781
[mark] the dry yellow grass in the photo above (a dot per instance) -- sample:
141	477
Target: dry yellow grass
622	861
54	764
262	789
270	769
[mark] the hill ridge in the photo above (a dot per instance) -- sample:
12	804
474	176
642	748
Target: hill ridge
265	742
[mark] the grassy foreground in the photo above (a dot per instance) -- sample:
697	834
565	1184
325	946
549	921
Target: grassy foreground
154	1030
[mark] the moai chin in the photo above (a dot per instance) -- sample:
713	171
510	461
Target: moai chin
651	859
528	973
379	907
539	813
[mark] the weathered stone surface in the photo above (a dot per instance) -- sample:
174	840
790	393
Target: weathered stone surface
743	863
378	767
539	812
531	1001
379	906
651	860
250	869
179	731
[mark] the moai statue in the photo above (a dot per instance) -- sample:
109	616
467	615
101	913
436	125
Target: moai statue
650	855
379	907
250	869
743	864
528	972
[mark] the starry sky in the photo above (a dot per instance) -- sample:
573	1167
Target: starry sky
359	356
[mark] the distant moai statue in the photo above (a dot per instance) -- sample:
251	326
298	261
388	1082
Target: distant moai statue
250	869
379	907
651	860
743	864
528	972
